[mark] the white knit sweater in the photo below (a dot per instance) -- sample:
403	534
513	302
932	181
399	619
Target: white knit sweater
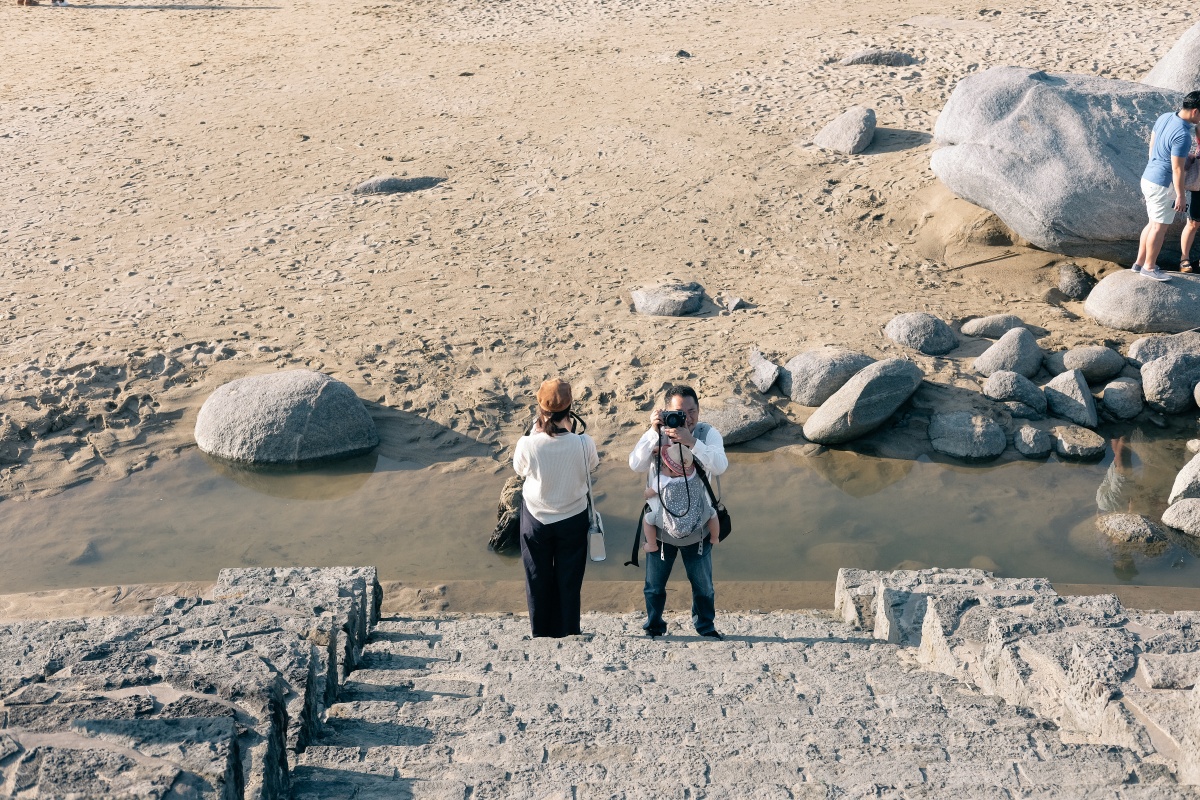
556	473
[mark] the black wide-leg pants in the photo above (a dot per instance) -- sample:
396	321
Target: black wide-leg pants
555	556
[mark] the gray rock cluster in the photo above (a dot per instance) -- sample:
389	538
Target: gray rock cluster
1105	674
673	299
1090	128
209	699
922	332
851	132
1126	301
288	417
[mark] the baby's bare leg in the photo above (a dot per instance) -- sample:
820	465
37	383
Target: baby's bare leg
651	537
714	529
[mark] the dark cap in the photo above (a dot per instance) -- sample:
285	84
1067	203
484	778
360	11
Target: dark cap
554	395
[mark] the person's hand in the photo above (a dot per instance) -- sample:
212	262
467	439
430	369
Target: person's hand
1180	203
650	547
656	419
681	435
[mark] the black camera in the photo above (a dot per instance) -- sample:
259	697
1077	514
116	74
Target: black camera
674	419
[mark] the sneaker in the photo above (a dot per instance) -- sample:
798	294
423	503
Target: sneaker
1136	268
1155	274
714	635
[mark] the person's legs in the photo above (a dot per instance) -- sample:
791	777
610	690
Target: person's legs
704	597
658	570
1143	241
541	591
570	561
1158	232
1188	237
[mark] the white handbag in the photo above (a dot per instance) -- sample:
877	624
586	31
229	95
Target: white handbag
595	525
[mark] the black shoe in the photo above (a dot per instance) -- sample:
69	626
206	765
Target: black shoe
655	634
714	635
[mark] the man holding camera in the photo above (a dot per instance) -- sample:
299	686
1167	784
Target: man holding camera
680	421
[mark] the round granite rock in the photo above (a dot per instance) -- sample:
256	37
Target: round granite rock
1184	515
1080	444
1130	528
1005	385
1126	301
738	420
992	327
923	332
668	299
1074	282
1123	398
290	417
811	378
1096	362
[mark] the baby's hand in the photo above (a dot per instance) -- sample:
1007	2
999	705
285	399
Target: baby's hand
650	493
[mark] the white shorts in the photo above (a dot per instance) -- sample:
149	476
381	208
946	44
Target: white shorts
1160	202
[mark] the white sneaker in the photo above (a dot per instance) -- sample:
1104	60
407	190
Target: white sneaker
1155	274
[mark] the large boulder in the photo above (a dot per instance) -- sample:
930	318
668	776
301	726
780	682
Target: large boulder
288	417
1008	386
1149	348
850	133
1168	382
922	332
992	327
1123	398
1058	158
1015	351
1179	69
811	378
668	299
865	402
1126	301
965	435
739	420
1069	397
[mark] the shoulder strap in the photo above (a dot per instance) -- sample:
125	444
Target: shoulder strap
707	485
587	473
637	536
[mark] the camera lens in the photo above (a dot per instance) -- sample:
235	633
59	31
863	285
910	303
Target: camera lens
674	419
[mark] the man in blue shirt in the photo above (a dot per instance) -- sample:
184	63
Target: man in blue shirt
1162	181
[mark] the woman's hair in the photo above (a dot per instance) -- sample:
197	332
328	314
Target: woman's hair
553	422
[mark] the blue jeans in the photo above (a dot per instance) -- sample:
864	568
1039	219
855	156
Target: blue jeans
699	571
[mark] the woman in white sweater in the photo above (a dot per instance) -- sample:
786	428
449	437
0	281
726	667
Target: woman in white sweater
555	462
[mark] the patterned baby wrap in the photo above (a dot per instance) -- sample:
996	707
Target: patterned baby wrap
675	497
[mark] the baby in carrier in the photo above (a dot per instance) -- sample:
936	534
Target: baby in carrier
679	504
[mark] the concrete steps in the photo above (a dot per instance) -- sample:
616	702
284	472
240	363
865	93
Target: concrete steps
790	705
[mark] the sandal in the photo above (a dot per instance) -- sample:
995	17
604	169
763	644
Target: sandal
1185	265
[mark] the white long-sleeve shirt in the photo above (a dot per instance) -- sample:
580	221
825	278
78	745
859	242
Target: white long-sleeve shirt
710	451
556	471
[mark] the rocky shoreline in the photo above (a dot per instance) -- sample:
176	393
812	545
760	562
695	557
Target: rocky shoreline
277	686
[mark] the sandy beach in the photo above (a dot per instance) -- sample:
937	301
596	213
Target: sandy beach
178	208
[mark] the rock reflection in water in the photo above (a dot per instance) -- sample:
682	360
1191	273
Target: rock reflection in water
325	482
854	474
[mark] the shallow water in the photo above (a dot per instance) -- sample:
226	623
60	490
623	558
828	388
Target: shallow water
795	518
